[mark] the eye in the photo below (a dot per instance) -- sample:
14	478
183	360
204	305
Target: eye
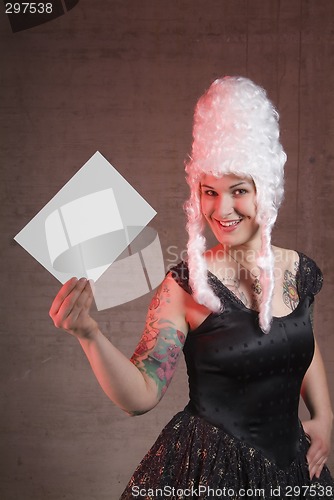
210	192
240	192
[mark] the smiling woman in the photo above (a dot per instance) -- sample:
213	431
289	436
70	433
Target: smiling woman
229	206
240	312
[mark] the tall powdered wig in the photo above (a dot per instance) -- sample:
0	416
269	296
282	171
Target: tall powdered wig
235	132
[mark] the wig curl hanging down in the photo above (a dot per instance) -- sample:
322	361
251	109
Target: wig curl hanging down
235	132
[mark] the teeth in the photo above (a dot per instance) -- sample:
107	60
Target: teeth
228	224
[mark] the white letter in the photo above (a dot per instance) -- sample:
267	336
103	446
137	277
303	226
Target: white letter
135	491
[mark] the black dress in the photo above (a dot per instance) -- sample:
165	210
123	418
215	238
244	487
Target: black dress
239	436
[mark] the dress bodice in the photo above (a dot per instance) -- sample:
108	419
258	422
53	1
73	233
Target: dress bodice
248	382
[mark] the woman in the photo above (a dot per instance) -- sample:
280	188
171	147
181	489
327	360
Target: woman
241	312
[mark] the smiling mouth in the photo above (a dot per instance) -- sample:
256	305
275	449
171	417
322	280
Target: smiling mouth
229	223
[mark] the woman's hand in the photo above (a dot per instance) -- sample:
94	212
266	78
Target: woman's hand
70	308
319	432
315	393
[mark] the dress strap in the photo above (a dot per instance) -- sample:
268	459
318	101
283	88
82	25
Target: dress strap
180	273
309	278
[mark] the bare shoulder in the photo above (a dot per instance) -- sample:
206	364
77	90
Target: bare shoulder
170	302
187	313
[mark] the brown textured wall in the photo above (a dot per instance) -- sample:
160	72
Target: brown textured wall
122	77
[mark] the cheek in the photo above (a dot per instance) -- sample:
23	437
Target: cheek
248	207
254	207
206	208
203	206
254	203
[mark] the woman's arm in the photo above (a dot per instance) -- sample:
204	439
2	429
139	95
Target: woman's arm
316	396
138	384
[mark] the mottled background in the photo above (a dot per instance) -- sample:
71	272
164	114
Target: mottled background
122	77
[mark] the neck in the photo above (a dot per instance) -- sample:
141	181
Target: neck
243	253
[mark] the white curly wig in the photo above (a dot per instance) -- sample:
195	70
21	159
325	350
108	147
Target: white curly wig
235	132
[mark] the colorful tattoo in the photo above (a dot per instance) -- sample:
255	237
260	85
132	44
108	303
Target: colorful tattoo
159	349
290	292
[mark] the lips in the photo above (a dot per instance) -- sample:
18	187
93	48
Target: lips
228	225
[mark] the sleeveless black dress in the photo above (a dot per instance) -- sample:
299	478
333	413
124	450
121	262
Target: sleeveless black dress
239	436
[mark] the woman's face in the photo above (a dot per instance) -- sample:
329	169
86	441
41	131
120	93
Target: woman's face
228	203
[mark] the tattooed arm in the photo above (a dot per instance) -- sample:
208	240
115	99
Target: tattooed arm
162	342
138	384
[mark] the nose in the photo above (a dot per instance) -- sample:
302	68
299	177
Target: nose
224	206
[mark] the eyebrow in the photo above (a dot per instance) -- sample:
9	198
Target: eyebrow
239	184
231	187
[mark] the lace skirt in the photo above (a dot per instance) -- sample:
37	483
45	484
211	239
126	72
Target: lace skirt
193	459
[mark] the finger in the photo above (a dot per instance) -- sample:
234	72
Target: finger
312	456
88	297
70	300
316	471
65	290
317	450
89	300
316	463
314	459
80	305
319	471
